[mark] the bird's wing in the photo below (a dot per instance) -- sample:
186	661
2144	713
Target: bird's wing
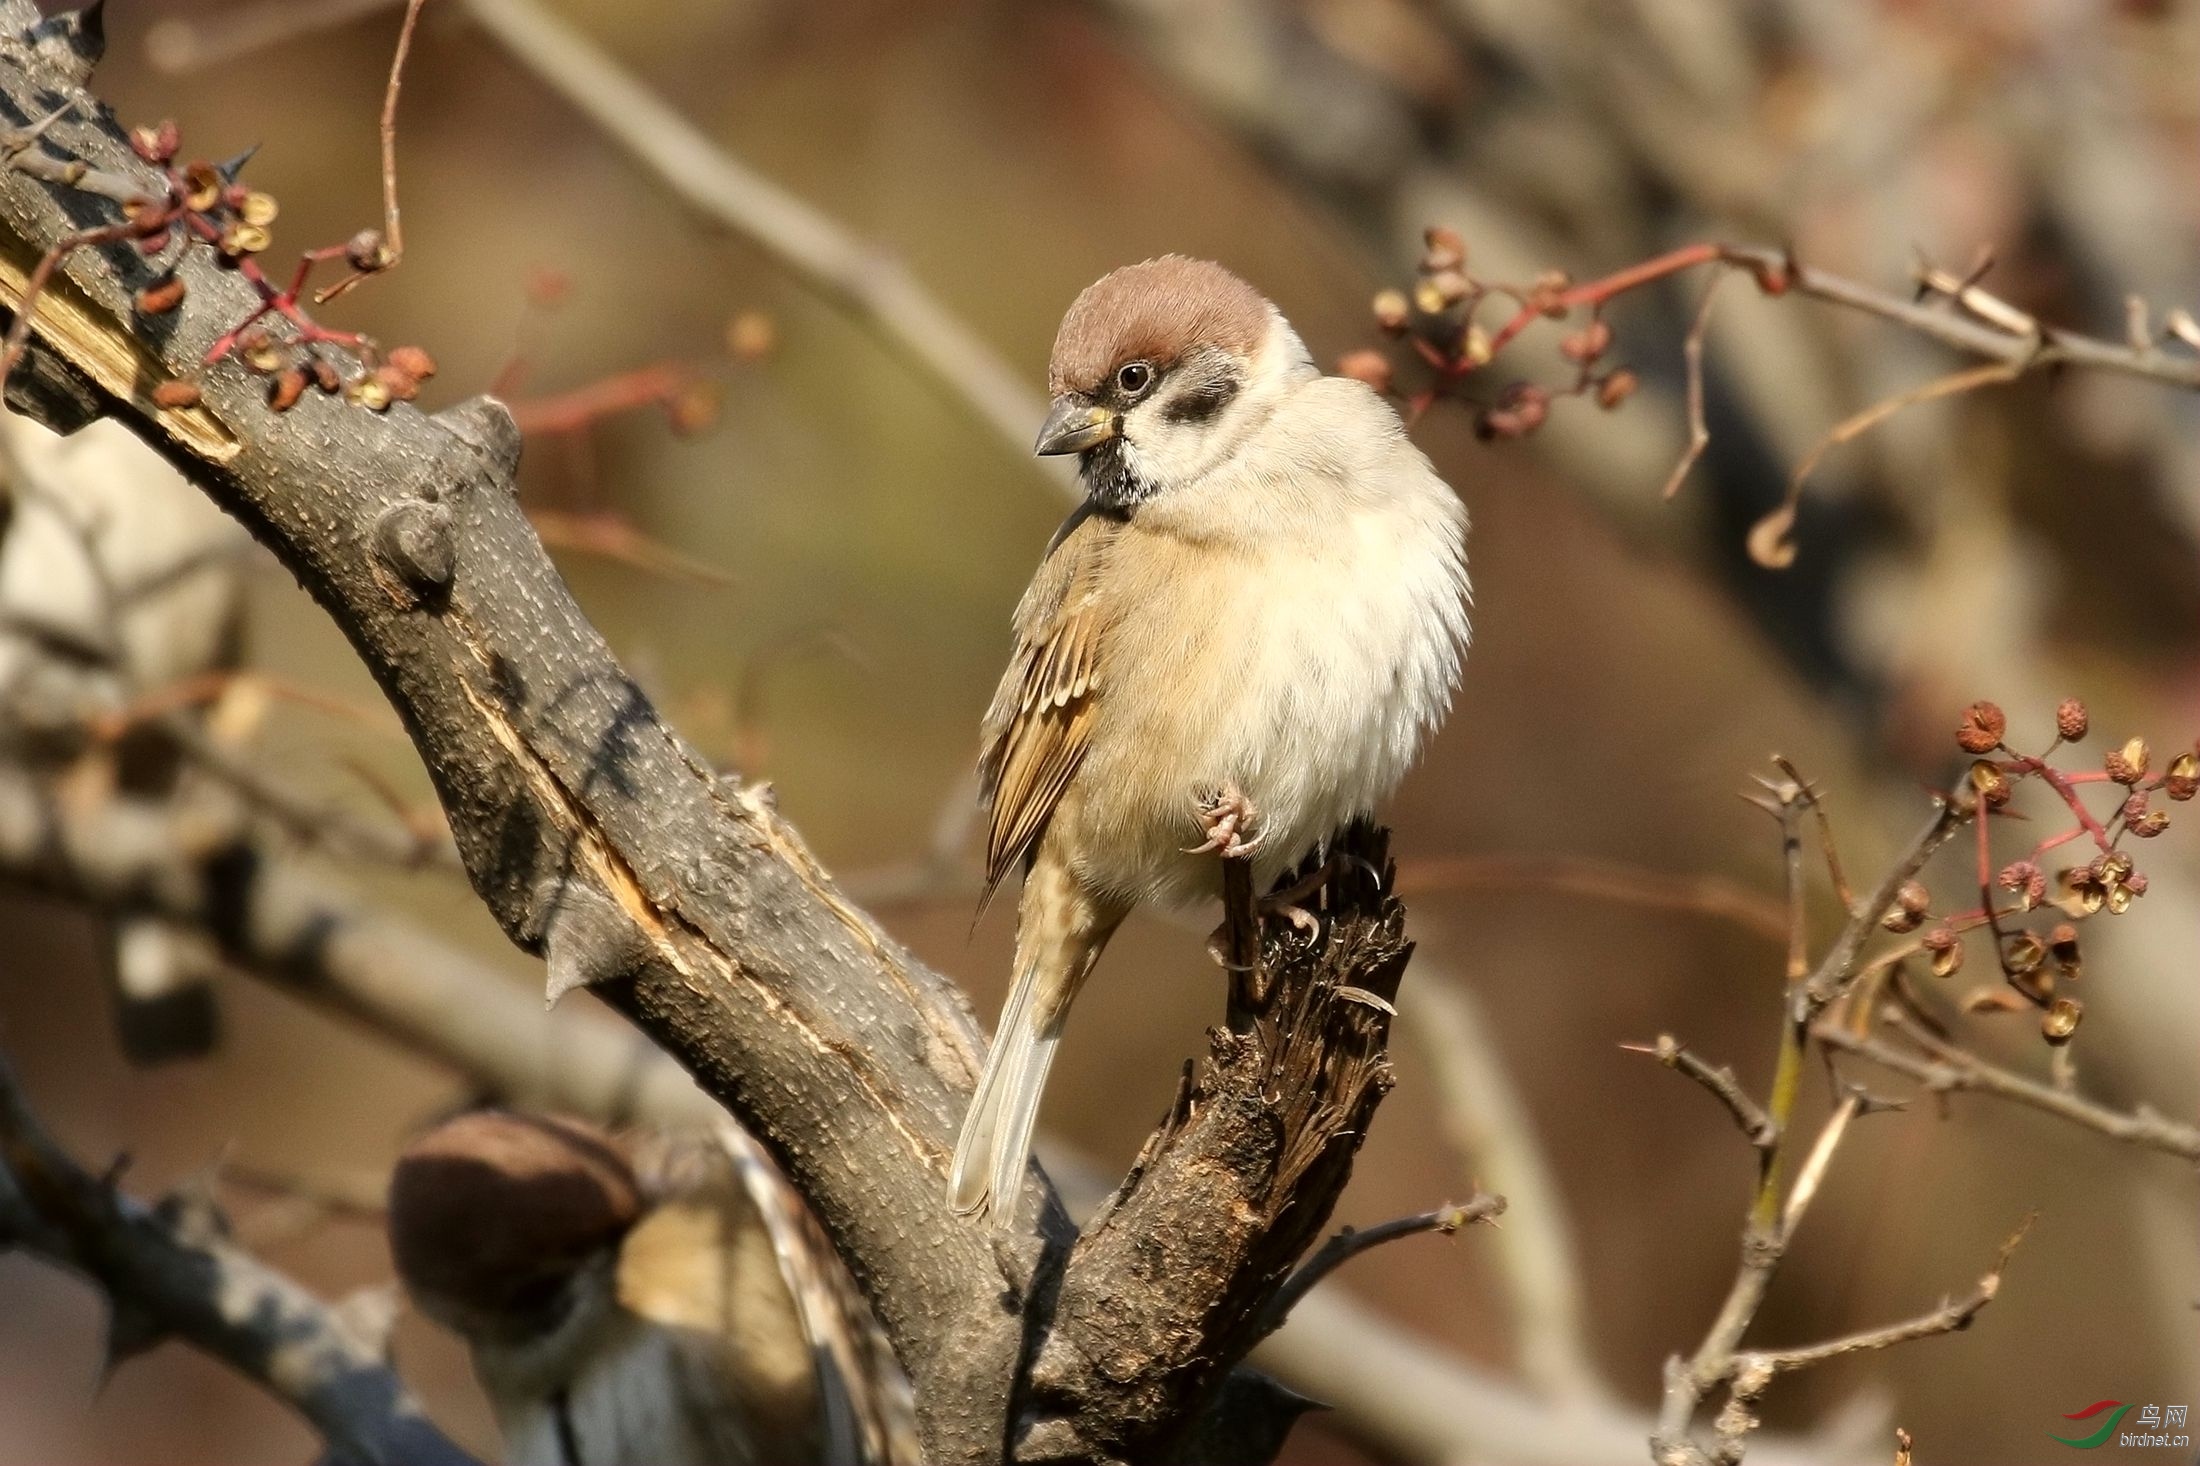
1036	731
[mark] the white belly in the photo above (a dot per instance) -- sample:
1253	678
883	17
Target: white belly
1306	678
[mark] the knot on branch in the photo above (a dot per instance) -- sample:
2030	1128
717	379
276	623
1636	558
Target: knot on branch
415	556
1166	1290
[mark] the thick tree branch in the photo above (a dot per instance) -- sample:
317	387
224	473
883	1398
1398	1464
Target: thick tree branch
164	1277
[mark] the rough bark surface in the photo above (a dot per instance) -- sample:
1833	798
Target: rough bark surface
603	842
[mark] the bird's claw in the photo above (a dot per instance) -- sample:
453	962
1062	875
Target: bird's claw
1228	819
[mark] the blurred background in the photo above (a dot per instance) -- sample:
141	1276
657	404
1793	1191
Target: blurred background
814	552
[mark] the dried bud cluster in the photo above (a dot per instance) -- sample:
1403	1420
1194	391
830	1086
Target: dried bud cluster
2036	964
1436	315
209	203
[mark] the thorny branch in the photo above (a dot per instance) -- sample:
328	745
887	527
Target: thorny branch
1351	1242
166	1274
1833	1002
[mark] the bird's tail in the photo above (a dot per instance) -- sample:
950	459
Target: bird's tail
996	1134
1059	935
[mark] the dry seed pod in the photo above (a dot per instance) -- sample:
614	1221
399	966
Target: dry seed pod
2060	1020
413	362
1982	728
2183	779
2071	720
2127	765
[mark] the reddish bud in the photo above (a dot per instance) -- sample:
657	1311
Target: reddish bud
283	393
751	336
176	394
401	385
2071	720
1445	250
156	144
1991	783
1392	311
2183	779
367	251
1616	387
1981	729
694	409
161	297
1371	367
2025	878
326	377
1587	344
412	361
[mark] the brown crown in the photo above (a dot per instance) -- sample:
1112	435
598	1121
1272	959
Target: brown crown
1154	312
492	1212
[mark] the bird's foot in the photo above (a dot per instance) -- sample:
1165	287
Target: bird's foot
1227	817
1285	903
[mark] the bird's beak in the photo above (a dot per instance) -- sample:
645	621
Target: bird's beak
1073	426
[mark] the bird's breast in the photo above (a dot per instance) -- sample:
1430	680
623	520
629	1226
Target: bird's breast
1304	671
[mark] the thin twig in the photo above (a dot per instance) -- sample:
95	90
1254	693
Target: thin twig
1950	1317
1699	431
1600	880
1947	1069
386	253
1720	1080
1351	1242
1770	544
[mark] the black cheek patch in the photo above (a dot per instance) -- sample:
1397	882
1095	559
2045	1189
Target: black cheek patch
1201	402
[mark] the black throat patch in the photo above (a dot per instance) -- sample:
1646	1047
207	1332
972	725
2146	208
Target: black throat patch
1109	482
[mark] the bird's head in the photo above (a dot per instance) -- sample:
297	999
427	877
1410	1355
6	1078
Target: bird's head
498	1219
1160	372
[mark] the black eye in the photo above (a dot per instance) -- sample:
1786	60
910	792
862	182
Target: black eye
1134	378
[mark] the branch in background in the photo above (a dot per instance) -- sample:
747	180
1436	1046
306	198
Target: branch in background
1944	1068
166	1276
1439	318
1488	1124
1757	1126
1834	1000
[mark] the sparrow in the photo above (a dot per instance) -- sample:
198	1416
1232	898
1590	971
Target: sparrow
643	1300
1237	643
